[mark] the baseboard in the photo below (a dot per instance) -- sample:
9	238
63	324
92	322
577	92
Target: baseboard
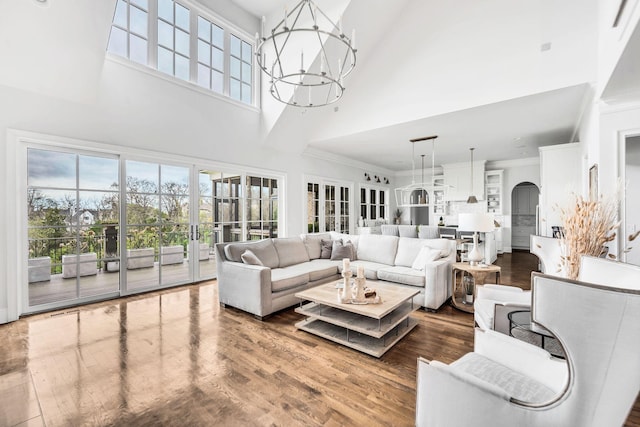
4	317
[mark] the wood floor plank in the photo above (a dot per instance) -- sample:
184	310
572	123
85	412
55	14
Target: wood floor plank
174	357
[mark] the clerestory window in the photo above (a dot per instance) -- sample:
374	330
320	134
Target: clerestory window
182	41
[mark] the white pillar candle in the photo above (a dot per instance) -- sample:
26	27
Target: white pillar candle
360	271
346	264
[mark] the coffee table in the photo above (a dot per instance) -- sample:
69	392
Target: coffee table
370	328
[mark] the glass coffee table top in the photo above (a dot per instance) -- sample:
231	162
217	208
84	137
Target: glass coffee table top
522	328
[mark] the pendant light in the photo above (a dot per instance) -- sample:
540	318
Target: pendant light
423	193
472	198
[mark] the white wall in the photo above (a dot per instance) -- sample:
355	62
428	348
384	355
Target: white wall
457	56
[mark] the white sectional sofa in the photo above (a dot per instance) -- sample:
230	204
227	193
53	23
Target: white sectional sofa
290	265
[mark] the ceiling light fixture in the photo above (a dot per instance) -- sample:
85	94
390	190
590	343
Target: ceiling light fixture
330	56
472	198
416	194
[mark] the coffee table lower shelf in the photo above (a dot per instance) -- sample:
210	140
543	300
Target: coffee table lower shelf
367	344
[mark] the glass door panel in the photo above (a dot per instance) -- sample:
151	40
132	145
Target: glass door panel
313	207
175	256
205	226
158	225
329	208
143	225
73	207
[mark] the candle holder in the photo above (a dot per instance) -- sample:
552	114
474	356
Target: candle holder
358	291
345	296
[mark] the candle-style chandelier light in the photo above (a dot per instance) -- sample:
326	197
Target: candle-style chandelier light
306	56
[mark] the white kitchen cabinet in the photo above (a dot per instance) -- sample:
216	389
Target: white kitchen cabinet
457	177
520	236
493	191
559	178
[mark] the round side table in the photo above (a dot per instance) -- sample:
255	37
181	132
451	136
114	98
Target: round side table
479	275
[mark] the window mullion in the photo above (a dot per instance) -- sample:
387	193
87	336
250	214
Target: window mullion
193	46
153	35
227	63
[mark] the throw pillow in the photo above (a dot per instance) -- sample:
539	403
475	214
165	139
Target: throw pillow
425	255
248	257
341	250
325	249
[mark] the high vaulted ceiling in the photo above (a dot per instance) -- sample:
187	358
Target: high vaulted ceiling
503	77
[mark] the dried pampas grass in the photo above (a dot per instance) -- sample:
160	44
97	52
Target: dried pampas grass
588	226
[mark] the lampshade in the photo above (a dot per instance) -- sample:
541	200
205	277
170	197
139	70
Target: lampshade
480	222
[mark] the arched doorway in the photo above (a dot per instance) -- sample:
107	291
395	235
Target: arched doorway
524	214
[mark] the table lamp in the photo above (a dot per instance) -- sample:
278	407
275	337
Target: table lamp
476	222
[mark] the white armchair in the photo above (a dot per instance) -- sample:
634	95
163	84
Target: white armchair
494	302
506	382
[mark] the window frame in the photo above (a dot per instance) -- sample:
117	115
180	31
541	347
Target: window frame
195	11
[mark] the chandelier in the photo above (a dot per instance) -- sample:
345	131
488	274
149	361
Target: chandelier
306	56
417	194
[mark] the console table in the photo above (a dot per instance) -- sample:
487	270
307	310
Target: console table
479	275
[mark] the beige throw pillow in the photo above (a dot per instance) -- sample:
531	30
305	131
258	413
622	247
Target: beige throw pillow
341	250
248	257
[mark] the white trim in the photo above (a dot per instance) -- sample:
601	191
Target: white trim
505	164
621	146
179	82
336	158
3	316
605	108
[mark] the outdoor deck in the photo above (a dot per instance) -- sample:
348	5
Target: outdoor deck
61	289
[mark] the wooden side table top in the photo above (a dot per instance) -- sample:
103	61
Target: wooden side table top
465	266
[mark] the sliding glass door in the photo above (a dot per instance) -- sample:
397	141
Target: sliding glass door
158	230
100	225
73	203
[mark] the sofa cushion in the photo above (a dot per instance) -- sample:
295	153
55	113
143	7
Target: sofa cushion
408	249
425	255
263	249
341	250
290	251
514	383
319	269
403	275
250	258
377	248
287	278
370	268
313	243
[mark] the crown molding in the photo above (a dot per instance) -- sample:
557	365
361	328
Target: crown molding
346	161
504	164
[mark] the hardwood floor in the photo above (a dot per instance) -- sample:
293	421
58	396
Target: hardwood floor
175	357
